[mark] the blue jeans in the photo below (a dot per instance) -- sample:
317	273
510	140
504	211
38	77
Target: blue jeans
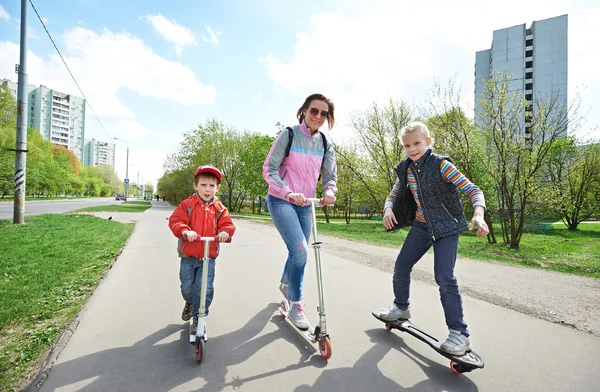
190	275
417	242
294	225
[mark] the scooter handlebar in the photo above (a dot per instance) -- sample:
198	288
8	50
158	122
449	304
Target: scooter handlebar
215	238
317	201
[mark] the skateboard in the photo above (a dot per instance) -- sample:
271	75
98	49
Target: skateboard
458	363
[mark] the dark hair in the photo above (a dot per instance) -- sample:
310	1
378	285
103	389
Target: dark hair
317	97
206	175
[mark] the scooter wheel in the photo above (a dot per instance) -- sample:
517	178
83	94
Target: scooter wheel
282	304
457	368
389	329
325	347
200	349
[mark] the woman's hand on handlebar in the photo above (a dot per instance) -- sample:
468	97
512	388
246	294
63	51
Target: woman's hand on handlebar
328	199
296	198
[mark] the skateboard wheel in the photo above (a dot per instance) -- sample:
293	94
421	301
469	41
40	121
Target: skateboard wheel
389	329
200	350
325	347
457	368
282	304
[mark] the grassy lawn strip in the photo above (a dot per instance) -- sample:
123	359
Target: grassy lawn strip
576	252
131	206
139	202
48	268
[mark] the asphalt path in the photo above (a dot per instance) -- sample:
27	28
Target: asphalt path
130	337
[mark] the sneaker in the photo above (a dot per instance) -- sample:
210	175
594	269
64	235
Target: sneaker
187	310
194	325
456	344
297	315
284	289
392	313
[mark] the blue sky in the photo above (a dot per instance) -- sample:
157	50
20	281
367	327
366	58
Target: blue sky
153	69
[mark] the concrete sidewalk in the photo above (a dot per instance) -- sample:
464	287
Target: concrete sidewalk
130	335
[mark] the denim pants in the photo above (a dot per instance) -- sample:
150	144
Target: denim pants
294	225
190	275
417	242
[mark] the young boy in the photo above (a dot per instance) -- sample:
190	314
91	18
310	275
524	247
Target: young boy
200	215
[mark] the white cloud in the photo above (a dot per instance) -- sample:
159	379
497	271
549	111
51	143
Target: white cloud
3	14
105	63
393	48
181	36
214	36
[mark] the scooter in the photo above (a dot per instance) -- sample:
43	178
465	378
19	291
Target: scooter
199	336
319	332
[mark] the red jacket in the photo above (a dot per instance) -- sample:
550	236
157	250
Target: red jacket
193	214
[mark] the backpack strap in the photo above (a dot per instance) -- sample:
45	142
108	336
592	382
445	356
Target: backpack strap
290	140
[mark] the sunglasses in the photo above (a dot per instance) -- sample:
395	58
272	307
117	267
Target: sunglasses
315	112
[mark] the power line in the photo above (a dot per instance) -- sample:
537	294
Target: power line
68	69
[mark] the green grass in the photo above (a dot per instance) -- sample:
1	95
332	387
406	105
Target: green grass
130	206
48	268
139	202
576	252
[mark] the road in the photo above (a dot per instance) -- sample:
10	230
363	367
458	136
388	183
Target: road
53	206
129	336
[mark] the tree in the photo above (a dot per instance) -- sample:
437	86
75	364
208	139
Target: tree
518	140
573	173
456	136
253	154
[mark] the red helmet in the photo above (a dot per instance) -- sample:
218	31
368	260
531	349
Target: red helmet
209	169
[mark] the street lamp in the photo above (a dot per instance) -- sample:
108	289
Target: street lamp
126	167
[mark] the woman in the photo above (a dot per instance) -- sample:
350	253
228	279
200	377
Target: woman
292	172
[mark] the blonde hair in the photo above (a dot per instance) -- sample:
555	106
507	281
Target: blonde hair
417	126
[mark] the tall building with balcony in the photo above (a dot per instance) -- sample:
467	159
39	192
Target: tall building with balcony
59	117
535	60
97	152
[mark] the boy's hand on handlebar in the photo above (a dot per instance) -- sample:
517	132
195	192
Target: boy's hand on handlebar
296	198
189	235
389	220
223	236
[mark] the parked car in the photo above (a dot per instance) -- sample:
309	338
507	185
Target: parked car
120	197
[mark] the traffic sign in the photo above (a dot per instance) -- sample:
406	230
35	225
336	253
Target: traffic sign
127	181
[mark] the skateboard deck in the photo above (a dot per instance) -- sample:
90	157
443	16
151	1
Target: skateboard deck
458	363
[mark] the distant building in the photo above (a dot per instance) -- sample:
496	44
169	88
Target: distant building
535	59
59	117
98	152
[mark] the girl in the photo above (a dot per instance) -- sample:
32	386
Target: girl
438	221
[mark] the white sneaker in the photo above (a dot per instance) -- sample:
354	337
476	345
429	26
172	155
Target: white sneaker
456	344
392	313
297	315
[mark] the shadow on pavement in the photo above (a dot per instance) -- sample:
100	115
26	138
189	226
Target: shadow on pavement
149	365
365	375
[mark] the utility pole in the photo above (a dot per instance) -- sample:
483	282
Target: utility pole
126	168
22	106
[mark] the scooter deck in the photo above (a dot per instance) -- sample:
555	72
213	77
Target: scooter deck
308	334
470	360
